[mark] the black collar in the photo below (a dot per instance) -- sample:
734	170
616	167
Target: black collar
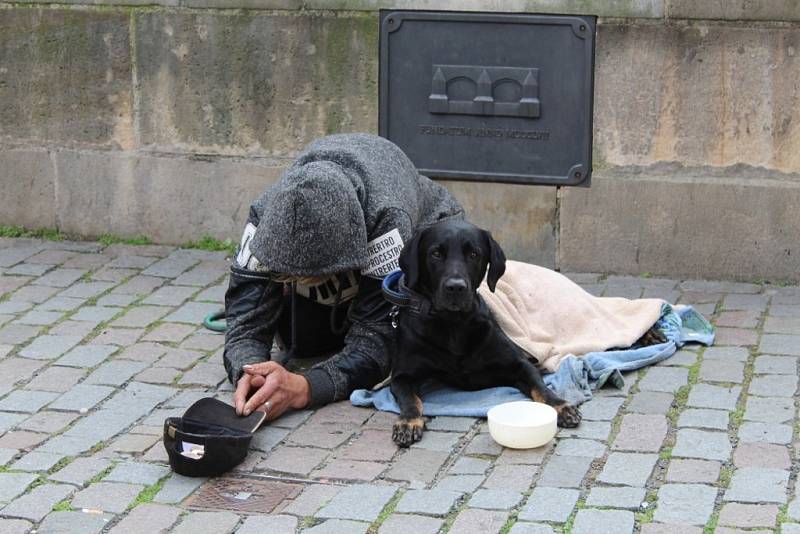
397	293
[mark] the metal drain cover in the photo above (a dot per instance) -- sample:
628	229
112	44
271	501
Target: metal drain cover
243	495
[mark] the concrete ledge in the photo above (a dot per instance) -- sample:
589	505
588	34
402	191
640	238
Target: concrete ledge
777	10
737	223
27	188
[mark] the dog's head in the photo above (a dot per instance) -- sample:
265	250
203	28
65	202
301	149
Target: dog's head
447	262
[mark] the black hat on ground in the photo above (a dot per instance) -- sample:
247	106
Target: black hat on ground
210	439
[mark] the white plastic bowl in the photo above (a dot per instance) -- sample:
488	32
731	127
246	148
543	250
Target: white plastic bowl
522	424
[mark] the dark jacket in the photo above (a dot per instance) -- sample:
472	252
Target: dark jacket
344	191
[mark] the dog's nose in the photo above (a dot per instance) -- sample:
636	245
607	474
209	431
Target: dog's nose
455	286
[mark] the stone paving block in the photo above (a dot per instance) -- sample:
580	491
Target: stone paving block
722	371
630	469
350	470
460	483
469	466
761	455
430	502
51	257
40	317
438	441
14	255
60	277
16	334
778	365
71	522
483	444
782	325
564	471
358	502
34	293
666	379
717	397
371	445
172	266
773	385
26	401
659	528
691	443
138	285
780	344
726	354
528	456
200	339
177	488
149	518
169	333
203	274
115	372
63	304
403	524
141	316
266	438
35	505
739	319
643	433
758	485
651	402
180	359
95	314
21	439
473	521
6	455
72	328
206	523
86	355
690	504
49	347
748	515
612	497
702	418
170	296
87	290
70	445
82	397
13	484
294	460
116	300
516	478
338	526
451	424
601	408
589	521
531	528
37	461
213	294
765	433
313	497
56	379
15	526
107	496
693	471
793	510
417	465
204	374
549	504
598	430
11	307
131	262
192	312
769	409
580	447
113	275
737	337
745	302
495	499
682	358
137	473
132	443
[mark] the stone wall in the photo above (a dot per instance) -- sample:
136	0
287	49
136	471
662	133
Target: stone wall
166	118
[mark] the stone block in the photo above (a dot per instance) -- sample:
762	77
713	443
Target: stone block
668	379
13	484
722	371
511	477
50	104
610	497
691	443
769	409
780	344
460	483
82	397
765	455
358	502
643	433
777	10
80	470
651	402
473	521
28	184
430	502
35	505
765	433
684	504
206	523
401	524
564	471
313	497
779	365
748	515
758	485
630	469
601	408
137	473
632	204
350	470
148	518
339	526
717	397
497	499
67	522
107	496
693	471
580	447
588	521
773	385
701	418
549	504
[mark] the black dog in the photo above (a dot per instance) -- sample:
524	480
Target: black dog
447	331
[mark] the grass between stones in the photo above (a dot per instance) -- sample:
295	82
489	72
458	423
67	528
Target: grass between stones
386	512
148	494
63	506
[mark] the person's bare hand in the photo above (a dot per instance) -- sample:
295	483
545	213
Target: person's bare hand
271	382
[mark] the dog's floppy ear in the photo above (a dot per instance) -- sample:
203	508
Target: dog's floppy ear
409	259
497	261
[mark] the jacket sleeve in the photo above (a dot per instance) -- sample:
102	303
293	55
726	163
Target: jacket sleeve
365	359
253	304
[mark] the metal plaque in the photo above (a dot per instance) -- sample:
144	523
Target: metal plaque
243	495
489	97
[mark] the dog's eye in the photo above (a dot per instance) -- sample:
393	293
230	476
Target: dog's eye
473	254
436	254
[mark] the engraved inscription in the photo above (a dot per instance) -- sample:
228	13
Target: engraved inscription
495	133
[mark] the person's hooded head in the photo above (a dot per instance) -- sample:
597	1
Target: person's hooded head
313	224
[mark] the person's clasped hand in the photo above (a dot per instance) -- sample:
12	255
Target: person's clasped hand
269	387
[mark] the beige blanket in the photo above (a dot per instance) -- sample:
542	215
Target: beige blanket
549	316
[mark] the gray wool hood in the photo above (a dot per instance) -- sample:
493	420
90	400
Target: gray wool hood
340	193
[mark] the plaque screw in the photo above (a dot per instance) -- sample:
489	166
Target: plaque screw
578	174
391	21
583	28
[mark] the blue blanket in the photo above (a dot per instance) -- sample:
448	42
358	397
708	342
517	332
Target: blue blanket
573	381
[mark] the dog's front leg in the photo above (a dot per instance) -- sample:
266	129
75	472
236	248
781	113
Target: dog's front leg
568	415
409	427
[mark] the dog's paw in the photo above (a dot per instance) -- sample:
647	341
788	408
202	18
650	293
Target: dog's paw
568	416
406	432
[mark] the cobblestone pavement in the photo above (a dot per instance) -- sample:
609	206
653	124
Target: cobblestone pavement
98	344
